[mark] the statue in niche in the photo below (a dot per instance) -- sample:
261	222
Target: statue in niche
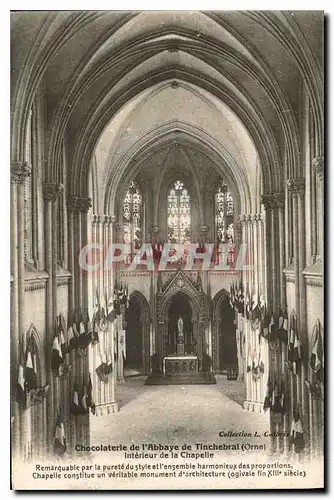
180	337
180	326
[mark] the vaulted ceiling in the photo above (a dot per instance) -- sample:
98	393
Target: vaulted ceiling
124	86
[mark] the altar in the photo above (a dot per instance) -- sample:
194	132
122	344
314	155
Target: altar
180	364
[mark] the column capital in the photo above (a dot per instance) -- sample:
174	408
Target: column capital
279	200
84	204
242	219
72	203
96	218
19	171
272	200
107	219
268	201
258	218
318	166
249	218
296	186
79	203
113	219
51	190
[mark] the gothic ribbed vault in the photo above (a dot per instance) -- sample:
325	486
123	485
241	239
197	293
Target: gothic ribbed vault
94	63
188	137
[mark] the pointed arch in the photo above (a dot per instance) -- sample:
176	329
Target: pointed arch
130	164
34	340
216	325
145	320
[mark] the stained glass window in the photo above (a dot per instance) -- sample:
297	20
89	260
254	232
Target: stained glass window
132	216
224	207
178	214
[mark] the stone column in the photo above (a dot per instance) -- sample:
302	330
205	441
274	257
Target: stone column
260	254
156	329
72	203
262	292
251	280
111	405
51	191
215	343
107	244
248	374
256	252
297	189
71	208
159	340
250	244
279	201
84	204
100	235
239	335
78	304
243	223
20	171
77	247
268	205
272	280
318	168
101	281
105	225
120	361
274	206
244	239
93	274
279	208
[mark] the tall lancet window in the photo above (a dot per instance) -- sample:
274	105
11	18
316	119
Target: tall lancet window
132	216
224	212
178	214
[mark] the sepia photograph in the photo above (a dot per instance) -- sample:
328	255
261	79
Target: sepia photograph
167	249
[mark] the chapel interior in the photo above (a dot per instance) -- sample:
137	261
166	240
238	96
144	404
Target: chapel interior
132	132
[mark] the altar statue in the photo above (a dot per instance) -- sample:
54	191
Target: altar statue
180	337
180	326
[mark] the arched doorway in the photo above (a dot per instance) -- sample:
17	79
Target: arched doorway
179	307
227	336
224	345
138	334
134	337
